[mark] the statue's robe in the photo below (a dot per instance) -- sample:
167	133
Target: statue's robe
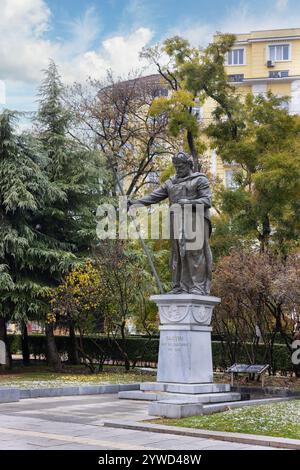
191	269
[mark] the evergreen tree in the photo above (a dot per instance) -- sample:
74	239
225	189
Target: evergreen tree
24	190
68	222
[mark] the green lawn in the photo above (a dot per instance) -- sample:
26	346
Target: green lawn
43	378
277	419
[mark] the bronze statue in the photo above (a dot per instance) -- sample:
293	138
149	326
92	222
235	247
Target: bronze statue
191	269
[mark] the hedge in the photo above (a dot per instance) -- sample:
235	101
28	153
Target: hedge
140	350
134	347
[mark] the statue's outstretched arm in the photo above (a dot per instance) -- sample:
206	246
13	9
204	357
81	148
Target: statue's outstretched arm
156	196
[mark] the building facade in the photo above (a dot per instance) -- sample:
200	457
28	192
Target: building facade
261	61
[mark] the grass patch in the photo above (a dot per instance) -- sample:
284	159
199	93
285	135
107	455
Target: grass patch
277	420
43	378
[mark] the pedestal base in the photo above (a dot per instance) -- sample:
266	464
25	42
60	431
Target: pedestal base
184	384
185	338
178	400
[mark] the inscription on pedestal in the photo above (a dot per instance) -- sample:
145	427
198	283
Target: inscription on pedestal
174	343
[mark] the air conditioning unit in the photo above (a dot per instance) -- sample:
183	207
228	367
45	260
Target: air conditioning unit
270	63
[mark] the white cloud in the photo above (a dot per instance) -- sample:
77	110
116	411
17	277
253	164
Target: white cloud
83	32
25	48
26	43
29	17
118	53
198	34
240	19
123	52
25	51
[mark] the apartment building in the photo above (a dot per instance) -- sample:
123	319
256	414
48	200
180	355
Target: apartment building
261	61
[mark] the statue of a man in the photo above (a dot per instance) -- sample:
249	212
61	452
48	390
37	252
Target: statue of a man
191	269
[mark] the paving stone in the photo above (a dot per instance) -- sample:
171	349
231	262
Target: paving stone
30	432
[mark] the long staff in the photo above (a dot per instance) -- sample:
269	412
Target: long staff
144	246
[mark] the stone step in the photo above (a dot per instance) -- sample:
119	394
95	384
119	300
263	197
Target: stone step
178	408
184	388
204	397
173	409
182	397
139	395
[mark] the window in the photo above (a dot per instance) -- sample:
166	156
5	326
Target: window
198	112
230	182
238	77
278	73
279	52
236	57
160	92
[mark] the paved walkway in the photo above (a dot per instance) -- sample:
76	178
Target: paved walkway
77	423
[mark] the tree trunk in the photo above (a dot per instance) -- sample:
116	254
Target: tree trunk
25	344
73	350
266	231
3	337
191	143
53	358
125	355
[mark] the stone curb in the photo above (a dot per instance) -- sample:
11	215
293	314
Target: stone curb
9	395
281	443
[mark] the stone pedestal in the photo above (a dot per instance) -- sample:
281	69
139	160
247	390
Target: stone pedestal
184	384
185	355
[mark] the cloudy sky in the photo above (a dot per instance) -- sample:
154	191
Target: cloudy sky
87	37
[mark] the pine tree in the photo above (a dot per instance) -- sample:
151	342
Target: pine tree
24	190
70	221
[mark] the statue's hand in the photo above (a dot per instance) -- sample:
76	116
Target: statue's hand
184	201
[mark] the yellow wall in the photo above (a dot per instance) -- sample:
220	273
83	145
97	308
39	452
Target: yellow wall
256	67
280	89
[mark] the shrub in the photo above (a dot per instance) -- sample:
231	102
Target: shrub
142	351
